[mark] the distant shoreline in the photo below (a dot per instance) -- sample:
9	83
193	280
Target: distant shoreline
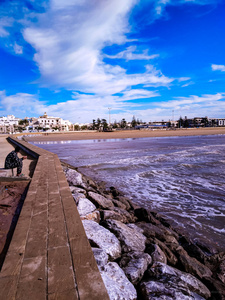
90	135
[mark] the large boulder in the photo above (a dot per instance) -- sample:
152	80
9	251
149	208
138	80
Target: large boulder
74	177
116	283
137	266
192	265
130	238
102	238
157	254
94	216
77	190
111	214
101	257
156	290
128	216
100	200
85	206
173	278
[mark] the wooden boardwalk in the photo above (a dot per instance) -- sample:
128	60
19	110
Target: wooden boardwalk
49	256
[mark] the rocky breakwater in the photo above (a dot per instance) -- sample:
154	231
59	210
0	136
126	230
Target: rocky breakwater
139	254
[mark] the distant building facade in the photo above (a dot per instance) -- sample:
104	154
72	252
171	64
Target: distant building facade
8	124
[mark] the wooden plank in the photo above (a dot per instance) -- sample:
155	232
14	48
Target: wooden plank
88	278
66	295
8	288
32	283
37	237
60	271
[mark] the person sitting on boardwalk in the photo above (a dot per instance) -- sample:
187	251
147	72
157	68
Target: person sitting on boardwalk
13	161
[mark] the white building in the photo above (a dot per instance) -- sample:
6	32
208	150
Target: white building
48	122
7	124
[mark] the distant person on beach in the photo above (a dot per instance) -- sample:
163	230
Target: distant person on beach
13	161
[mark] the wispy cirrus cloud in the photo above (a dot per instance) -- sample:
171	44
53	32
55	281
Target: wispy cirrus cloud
218	67
131	54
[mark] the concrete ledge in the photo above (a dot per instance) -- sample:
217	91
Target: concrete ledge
6	172
49	256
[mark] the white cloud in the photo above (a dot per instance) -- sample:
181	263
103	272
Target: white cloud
129	54
69	48
4	23
218	67
18	49
21	104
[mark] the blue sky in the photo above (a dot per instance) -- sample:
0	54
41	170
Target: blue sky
75	59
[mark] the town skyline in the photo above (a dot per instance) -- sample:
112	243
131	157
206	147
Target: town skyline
111	59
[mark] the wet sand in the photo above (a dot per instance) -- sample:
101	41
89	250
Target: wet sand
89	135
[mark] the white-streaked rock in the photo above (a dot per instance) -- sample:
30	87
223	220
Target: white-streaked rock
137	266
116	283
74	177
100	200
101	257
130	238
85	206
173	278
103	238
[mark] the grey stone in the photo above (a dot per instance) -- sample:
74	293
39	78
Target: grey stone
74	177
157	254
128	216
77	197
110	214
119	204
77	190
101	257
175	279
131	239
100	200
85	206
171	258
94	216
103	238
137	266
192	265
116	283
155	290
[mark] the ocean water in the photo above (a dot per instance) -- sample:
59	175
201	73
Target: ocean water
183	178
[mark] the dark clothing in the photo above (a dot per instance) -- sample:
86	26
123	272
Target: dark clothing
13	161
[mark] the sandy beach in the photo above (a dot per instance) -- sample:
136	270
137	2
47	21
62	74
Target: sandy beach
89	135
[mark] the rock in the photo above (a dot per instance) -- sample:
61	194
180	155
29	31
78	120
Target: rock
192	265
77	190
128	216
137	266
125	201
77	197
119	204
101	257
74	178
157	254
131	239
85	206
116	283
110	214
144	215
100	200
176	279
156	290
221	271
94	216
135	227
160	232
171	258
103	238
